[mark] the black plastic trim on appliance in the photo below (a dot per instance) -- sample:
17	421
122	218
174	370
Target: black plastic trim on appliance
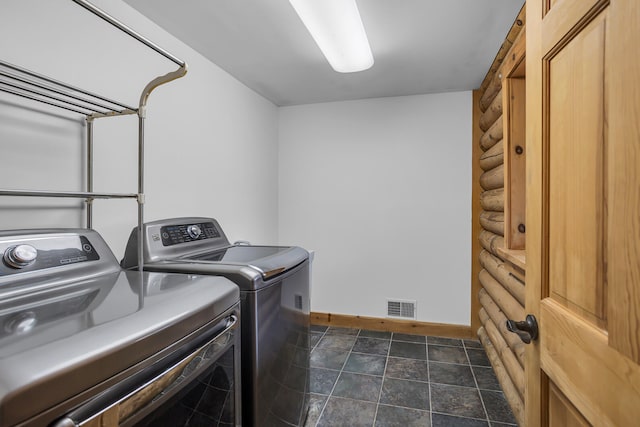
176	234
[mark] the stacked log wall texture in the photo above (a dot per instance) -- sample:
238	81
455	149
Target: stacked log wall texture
507	303
493	221
493	157
493	178
501	295
495	266
491	242
510	391
492	136
500	320
513	368
493	200
492	113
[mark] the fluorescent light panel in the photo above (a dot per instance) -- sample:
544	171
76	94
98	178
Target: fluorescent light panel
337	29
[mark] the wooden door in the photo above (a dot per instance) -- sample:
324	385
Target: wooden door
583	212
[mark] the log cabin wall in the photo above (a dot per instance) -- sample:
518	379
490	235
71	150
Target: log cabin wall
498	277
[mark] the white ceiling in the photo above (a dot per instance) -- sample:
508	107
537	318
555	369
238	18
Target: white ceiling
419	46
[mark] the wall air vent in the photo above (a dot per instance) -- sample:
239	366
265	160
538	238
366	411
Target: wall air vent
401	309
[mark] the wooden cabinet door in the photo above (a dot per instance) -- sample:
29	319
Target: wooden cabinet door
583	212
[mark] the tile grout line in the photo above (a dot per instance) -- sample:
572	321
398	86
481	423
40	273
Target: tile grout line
384	375
321	336
327	401
475	380
464	417
339	374
426	348
334	384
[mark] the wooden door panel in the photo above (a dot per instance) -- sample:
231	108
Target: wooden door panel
561	412
602	384
565	18
623	194
576	145
583	212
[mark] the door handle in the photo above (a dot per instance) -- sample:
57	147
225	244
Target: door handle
527	330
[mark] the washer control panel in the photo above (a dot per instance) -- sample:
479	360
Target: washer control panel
184	233
20	256
194	231
38	254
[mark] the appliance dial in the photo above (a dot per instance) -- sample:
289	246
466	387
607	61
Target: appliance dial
21	323
194	231
20	256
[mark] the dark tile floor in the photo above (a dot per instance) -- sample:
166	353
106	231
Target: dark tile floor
370	378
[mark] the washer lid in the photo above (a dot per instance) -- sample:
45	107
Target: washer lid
269	261
60	341
243	254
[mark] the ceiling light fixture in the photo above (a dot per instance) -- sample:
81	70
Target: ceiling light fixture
337	29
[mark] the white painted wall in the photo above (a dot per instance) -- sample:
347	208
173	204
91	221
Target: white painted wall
211	142
381	190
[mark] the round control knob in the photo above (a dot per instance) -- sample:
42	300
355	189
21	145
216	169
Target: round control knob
194	231
21	323
20	256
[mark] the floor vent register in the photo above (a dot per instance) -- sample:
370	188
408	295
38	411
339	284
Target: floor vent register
401	309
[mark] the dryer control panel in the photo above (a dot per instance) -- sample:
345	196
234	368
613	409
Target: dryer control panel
40	252
183	233
174	238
